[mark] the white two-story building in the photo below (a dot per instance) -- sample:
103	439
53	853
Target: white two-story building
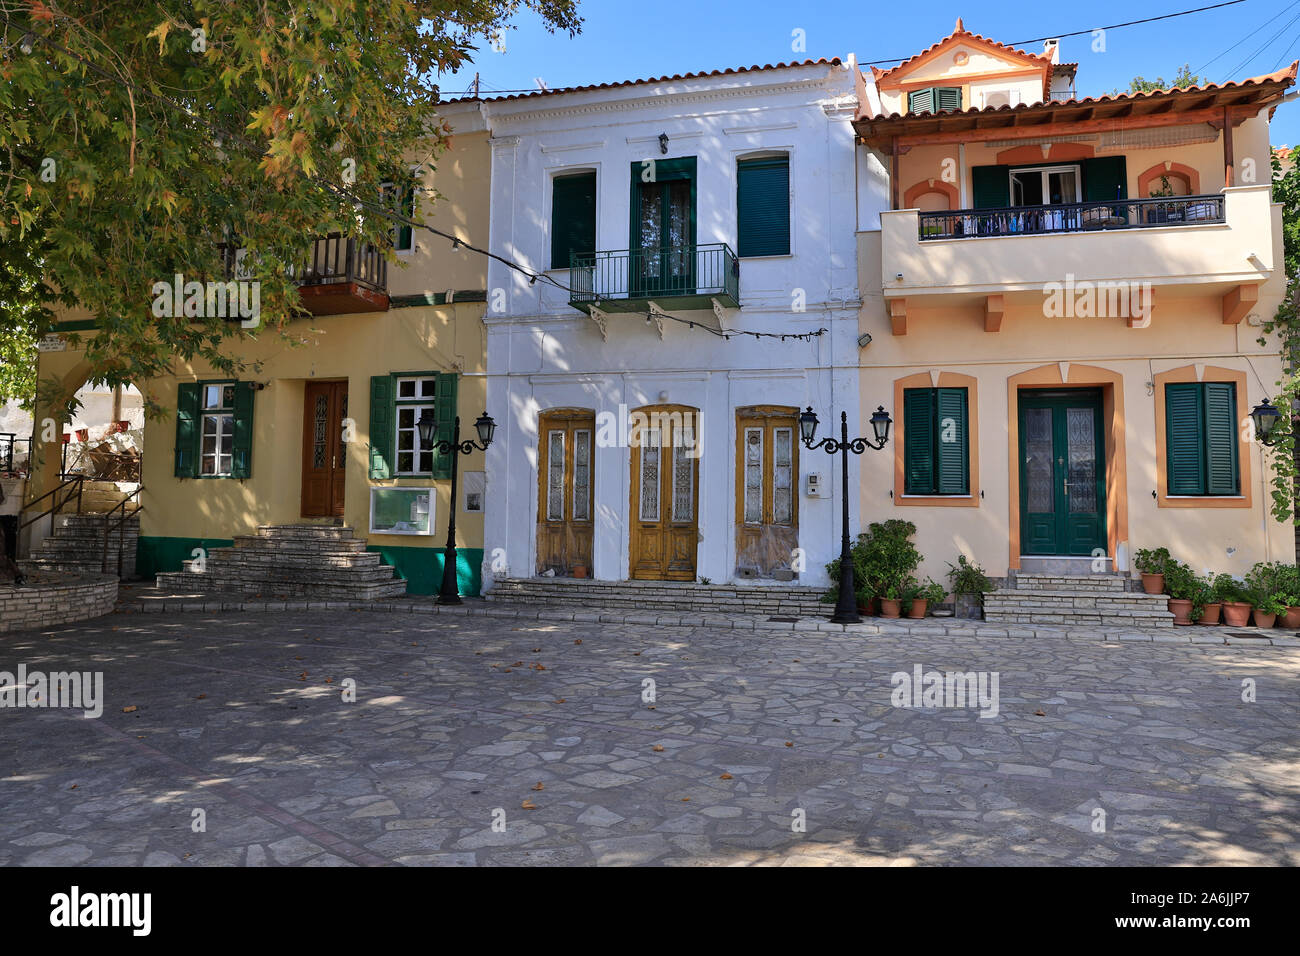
698	288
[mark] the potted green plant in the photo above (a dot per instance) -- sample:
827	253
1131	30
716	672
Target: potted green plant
1267	608
1151	564
892	592
925	597
1291	598
969	584
865	599
1236	606
1213	599
1184	589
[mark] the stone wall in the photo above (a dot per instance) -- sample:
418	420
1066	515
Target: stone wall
46	604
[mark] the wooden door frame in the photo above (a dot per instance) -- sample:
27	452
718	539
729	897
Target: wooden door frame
634	485
307	441
546	419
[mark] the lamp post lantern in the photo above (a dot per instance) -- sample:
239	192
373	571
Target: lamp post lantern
1265	418
846	608
486	427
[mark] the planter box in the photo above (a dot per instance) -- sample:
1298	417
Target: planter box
969	607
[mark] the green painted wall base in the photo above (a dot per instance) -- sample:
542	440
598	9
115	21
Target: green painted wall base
421	568
156	554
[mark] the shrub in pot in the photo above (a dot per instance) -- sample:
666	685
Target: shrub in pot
1267	608
1152	564
892	594
926	596
1236	607
1185	592
969	584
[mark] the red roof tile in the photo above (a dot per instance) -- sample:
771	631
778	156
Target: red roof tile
834	61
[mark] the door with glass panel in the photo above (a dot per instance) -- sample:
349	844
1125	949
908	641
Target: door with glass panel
564	477
767	474
665	493
1062	472
324	453
663	228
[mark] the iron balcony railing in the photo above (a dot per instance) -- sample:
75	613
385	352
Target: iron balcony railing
1071	217
331	259
9	457
663	272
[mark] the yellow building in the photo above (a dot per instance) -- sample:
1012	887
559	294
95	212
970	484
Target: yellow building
321	425
1064	302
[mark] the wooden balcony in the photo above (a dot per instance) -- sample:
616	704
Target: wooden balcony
338	275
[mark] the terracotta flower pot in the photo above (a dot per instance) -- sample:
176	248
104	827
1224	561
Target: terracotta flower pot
1263	619
918	608
1153	583
579	570
1182	609
1236	613
889	607
1210	613
1291	619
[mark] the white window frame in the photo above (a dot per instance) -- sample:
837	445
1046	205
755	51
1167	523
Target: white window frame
419	402
1045	171
218	413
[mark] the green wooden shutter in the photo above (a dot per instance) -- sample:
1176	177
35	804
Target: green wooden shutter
573	217
763	207
445	413
991	186
187	430
918	441
1105	178
920	101
1221	476
408	211
947	98
381	426
241	461
952	442
1184	439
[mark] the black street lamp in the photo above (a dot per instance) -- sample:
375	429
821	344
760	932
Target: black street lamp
1265	416
449	593
846	608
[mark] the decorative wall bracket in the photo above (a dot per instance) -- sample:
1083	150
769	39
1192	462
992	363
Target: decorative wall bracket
601	320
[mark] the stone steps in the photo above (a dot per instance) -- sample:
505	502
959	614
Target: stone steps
77	545
314	561
663	596
1099	600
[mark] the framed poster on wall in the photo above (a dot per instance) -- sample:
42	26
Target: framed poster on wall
401	511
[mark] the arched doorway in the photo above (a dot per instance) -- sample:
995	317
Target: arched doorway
564	491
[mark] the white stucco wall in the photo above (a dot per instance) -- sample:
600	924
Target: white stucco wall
543	353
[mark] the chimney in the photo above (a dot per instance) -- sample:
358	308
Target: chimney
1052	50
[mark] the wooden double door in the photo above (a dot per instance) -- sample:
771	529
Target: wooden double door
664	515
767	500
324	452
564	503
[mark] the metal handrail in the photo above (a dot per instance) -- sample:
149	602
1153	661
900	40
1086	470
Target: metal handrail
654	272
121	530
1070	217
55	508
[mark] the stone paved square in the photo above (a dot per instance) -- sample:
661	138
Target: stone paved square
460	721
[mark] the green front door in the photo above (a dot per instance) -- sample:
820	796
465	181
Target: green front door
1062	473
663	228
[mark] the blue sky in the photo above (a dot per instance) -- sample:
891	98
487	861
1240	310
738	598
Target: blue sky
628	39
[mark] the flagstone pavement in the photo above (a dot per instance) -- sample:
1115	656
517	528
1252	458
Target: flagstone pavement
227	739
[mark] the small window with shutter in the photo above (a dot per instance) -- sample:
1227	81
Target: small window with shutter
1201	439
573	217
936	99
936	442
763	207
